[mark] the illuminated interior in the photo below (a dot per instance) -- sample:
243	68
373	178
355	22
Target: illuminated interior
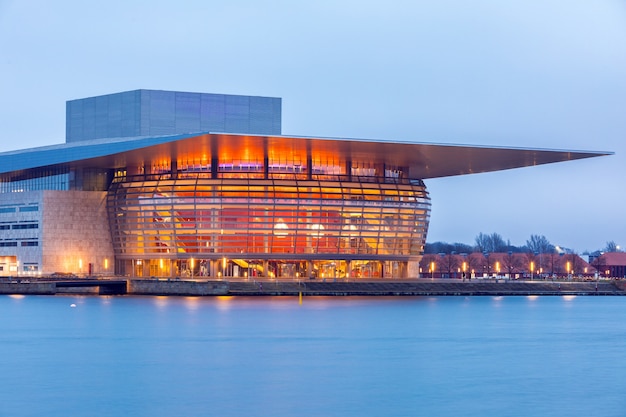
276	220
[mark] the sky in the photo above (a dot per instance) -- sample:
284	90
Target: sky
523	73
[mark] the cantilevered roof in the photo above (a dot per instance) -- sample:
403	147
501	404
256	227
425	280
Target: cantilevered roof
423	160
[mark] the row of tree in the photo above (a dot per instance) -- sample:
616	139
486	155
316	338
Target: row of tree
512	264
491	254
495	243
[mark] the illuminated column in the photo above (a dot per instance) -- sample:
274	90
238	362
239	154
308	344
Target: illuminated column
348	269
265	270
213	268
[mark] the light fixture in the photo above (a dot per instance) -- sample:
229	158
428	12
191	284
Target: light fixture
280	228
317	230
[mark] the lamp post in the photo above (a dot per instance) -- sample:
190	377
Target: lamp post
486	255
432	270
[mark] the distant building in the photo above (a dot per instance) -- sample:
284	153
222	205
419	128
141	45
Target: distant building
611	264
502	264
169	184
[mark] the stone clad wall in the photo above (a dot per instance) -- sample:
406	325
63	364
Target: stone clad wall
76	233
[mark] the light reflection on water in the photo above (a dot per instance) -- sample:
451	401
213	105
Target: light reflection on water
337	356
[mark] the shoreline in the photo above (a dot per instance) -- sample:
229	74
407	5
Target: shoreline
400	288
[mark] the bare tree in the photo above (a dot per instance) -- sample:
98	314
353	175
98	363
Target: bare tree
449	263
490	243
483	242
599	263
510	262
426	264
611	247
539	244
554	263
473	262
575	263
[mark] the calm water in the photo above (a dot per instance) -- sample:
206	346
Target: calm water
361	356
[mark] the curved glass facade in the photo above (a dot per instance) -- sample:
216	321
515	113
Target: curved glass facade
331	227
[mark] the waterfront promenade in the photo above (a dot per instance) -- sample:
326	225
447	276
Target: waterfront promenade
416	287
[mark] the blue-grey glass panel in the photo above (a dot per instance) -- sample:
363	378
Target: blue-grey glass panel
261	115
162	112
187	112
101	116
212	111
277	116
152	112
73	120
144	112
130	118
89	118
113	117
237	114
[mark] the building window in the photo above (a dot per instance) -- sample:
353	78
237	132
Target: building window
30	243
25	226
29	208
7	209
7	244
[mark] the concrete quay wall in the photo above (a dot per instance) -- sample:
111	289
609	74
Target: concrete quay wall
313	288
425	288
27	288
173	287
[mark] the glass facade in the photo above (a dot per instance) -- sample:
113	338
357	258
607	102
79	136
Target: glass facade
284	225
57	179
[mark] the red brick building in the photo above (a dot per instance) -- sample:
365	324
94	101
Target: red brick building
503	264
611	264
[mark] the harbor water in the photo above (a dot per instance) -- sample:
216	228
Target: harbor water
326	356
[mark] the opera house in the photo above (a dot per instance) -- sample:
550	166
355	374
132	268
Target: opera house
172	184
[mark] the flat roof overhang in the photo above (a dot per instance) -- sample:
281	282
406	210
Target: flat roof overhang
423	160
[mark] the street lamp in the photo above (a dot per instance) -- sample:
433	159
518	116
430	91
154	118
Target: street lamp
532	268
486	255
432	270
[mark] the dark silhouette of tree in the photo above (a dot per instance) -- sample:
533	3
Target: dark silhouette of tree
449	263
426	262
554	263
474	262
599	262
611	246
490	243
510	262
575	263
539	244
443	247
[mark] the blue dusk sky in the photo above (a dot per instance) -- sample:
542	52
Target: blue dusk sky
544	73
